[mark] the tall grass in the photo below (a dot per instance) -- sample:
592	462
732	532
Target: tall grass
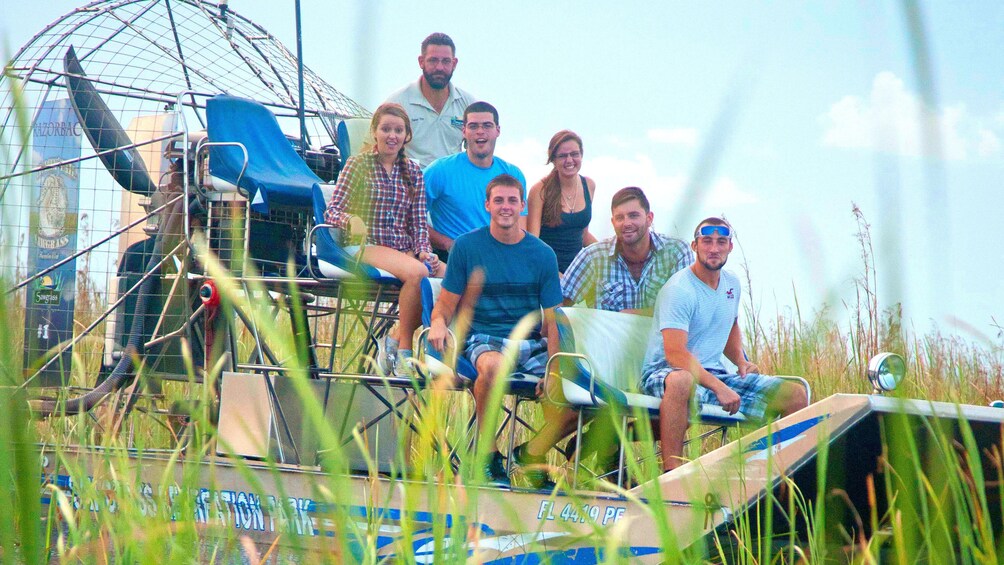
939	499
936	512
20	539
834	359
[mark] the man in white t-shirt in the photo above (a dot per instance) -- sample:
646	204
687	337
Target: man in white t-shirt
696	321
434	105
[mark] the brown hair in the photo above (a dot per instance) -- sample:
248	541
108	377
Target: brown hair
630	193
504	179
392	109
438	39
550	192
481	106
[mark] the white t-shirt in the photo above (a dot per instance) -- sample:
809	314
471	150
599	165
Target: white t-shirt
706	314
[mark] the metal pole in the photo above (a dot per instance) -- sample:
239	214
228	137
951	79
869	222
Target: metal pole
299	75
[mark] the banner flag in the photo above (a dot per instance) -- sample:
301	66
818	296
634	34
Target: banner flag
52	237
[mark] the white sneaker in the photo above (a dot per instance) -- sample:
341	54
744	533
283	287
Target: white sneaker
405	366
386	359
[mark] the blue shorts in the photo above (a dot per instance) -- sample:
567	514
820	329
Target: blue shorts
753	390
531	354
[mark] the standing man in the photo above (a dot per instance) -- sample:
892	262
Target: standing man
696	321
434	105
624	273
518	276
455	185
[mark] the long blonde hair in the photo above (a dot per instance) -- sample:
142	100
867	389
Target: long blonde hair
550	193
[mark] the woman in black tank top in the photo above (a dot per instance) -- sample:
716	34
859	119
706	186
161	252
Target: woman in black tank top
560	204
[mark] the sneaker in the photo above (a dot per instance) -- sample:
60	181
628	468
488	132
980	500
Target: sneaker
533	468
386	359
495	473
405	365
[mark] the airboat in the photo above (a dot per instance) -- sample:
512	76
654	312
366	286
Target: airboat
171	248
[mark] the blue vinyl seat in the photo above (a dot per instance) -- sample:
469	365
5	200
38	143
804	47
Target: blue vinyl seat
275	175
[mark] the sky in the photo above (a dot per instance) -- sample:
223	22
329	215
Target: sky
780	115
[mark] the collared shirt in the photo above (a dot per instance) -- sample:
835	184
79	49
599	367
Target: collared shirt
600	277
395	214
435	134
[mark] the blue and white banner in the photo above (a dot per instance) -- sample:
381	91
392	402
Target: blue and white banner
52	237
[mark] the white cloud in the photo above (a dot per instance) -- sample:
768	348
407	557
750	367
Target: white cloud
673	136
894	120
529	154
613	173
725	193
989	144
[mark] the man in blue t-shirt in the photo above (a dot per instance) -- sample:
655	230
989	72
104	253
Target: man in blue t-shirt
506	274
455	185
696	321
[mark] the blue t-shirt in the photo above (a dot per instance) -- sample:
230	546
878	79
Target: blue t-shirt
519	278
455	192
686	303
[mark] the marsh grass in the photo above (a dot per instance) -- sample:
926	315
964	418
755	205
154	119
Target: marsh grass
938	490
936	512
941	366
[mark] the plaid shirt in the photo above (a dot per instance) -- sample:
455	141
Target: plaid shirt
394	214
599	276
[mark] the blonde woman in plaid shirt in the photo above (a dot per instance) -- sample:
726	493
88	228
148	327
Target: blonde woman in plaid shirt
380	199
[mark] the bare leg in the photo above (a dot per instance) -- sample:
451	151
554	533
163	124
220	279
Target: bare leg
487	365
674	416
558	423
790	398
410	271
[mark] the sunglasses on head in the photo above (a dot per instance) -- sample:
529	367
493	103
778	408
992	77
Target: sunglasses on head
709	230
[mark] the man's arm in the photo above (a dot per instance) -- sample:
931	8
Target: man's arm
434	178
438	240
734	351
442	314
674	343
638	311
550	330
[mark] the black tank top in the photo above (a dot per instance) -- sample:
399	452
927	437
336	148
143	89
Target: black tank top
566	238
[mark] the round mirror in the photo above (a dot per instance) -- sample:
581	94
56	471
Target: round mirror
886	371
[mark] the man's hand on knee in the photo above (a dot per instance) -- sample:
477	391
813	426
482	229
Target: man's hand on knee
727	397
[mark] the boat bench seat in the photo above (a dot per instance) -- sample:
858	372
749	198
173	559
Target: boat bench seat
601	354
600	364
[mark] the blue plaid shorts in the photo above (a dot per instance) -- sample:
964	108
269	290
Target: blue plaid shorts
531	355
753	390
